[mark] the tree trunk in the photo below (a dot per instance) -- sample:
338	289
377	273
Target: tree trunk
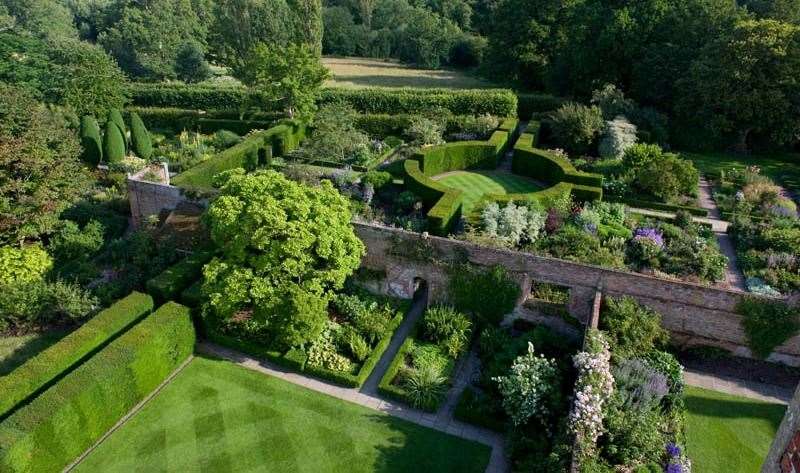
741	145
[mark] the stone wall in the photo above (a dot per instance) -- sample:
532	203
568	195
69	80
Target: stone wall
150	198
784	455
693	313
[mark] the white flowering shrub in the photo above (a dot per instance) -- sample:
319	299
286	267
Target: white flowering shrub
618	135
529	390
593	388
513	224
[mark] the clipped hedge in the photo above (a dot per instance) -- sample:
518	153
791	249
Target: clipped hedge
240	127
113	143
172	281
177	119
38	372
91	141
529	104
65	420
500	102
140	138
646	204
446	202
281	138
386	387
293	359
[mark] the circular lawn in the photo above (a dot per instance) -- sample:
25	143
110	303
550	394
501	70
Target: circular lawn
475	184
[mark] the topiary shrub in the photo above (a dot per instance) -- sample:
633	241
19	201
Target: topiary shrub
116	117
91	141
113	143
140	138
767	323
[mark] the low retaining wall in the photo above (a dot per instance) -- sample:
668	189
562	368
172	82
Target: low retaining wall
694	314
150	198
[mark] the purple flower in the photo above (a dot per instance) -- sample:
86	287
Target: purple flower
673	450
651	234
674	468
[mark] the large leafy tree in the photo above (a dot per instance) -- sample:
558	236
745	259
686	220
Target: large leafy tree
43	18
40	169
146	38
746	82
290	75
284	248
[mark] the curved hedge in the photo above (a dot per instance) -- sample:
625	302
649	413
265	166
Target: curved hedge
38	372
446	202
65	420
500	102
281	139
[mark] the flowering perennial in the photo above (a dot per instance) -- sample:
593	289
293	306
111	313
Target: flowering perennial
652	234
593	388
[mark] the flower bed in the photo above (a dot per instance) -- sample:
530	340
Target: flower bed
422	370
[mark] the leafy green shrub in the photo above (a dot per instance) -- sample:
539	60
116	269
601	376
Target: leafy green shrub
113	143
489	294
632	436
91	141
767	323
224	139
632	329
34	304
377	179
36	373
74	413
668	177
448	328
576	127
167	285
190	63
140	138
24	264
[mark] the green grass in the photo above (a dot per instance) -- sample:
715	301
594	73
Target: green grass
729	433
356	73
14	351
218	417
784	168
475	184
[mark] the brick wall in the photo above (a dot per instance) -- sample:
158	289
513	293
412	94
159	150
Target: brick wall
693	313
784	454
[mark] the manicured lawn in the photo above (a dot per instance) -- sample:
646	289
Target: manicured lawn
729	433
364	72
477	183
784	168
216	416
14	351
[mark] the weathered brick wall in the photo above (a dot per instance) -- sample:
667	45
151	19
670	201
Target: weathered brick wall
784	455
693	313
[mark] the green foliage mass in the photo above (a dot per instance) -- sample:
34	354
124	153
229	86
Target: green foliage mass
140	138
767	323
113	143
190	63
23	264
632	329
91	141
284	248
489	294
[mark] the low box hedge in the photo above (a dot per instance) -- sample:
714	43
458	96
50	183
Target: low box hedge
386	387
172	281
240	127
293	359
646	204
281	138
445	202
69	417
178	119
39	372
192	296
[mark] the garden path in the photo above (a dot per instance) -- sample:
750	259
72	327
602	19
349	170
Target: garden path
739	387
497	462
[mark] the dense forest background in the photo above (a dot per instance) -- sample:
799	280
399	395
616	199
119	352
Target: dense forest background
726	73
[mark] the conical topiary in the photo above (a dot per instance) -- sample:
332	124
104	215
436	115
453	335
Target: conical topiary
115	116
91	141
140	138
113	143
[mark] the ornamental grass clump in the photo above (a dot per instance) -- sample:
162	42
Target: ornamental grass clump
593	389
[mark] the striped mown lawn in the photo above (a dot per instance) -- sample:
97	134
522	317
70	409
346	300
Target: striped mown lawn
477	183
216	416
728	433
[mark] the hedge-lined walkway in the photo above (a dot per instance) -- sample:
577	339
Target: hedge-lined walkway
446	423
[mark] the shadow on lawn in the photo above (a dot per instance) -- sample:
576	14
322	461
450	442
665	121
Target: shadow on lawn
730	409
416	448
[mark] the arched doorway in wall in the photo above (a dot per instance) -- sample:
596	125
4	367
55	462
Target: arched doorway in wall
420	291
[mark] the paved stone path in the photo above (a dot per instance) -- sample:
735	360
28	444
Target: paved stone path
442	420
739	387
